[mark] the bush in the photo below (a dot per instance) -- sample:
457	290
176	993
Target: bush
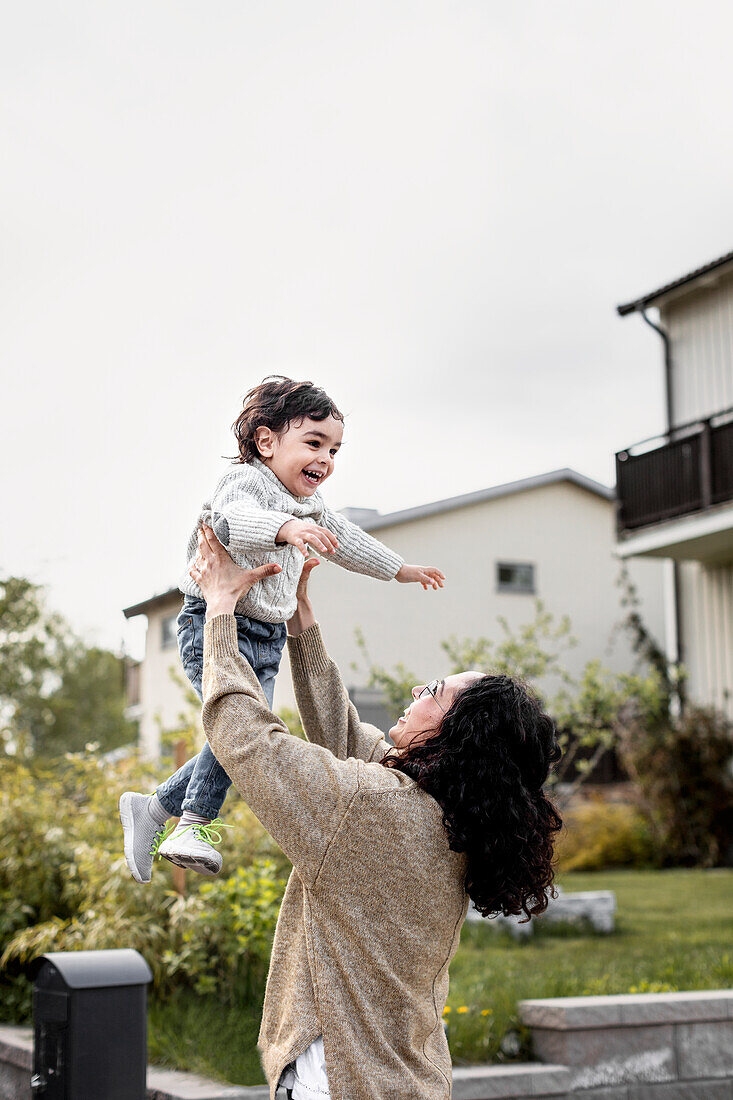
221	936
682	770
601	834
64	885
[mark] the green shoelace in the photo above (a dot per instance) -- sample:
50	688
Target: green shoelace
210	833
160	836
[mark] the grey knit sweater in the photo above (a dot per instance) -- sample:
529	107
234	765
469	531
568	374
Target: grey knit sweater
248	508
373	909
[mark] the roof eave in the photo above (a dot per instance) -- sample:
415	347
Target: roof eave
681	285
151	604
524	485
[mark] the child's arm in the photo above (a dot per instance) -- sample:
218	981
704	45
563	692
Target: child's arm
426	575
240	517
361	553
242	522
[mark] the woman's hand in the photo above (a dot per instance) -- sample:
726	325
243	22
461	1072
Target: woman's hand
303	617
222	582
426	575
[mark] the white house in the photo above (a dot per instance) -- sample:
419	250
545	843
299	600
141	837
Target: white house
550	537
675	493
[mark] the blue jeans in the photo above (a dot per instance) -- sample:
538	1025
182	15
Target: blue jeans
201	784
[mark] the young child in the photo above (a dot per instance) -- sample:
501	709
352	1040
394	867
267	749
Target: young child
266	508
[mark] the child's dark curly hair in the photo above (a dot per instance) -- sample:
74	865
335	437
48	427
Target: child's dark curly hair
274	404
486	767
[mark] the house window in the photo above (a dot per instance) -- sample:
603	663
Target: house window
168	632
513	576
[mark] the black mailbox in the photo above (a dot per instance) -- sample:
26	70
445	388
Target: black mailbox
90	1020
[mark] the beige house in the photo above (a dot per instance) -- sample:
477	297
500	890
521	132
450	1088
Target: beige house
676	492
550	537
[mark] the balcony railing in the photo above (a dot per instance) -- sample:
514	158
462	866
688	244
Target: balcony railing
690	469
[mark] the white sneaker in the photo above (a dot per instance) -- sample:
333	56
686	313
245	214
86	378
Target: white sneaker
141	832
188	846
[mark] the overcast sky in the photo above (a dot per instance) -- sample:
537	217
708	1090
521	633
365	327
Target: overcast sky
431	209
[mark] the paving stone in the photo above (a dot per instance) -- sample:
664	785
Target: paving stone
16	1057
610	1057
16	1046
620	1092
15	1083
628	1008
705	1050
172	1085
527	1079
661	1008
680	1090
570	1012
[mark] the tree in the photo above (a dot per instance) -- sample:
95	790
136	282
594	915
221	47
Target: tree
679	757
531	653
586	708
88	706
56	694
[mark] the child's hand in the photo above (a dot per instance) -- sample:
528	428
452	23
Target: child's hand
427	575
302	534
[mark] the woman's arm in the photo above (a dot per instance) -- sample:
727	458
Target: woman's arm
300	792
329	718
328	715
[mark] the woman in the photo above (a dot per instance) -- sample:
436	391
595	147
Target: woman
387	844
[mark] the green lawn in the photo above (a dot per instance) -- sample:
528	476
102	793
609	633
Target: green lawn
198	1034
674	931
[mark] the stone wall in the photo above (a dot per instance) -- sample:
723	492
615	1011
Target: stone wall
633	1046
651	1046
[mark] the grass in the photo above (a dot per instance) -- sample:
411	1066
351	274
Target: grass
198	1034
673	931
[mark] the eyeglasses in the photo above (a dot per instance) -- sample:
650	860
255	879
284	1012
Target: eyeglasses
432	689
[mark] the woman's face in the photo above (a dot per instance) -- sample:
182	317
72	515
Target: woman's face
422	718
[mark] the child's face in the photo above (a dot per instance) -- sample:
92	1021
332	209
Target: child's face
303	455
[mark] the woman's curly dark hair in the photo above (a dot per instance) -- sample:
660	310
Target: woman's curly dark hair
486	766
274	404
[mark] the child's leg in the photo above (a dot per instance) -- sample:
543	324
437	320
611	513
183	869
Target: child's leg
208	783
189	845
207	787
172	792
261	645
267	655
144	816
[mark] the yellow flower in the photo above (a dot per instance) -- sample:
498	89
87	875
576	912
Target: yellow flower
487	1011
446	1010
463	1008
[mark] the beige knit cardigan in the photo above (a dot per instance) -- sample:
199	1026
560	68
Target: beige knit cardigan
373	909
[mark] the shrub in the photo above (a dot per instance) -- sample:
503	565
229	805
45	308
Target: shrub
64	884
600	834
682	770
221	936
